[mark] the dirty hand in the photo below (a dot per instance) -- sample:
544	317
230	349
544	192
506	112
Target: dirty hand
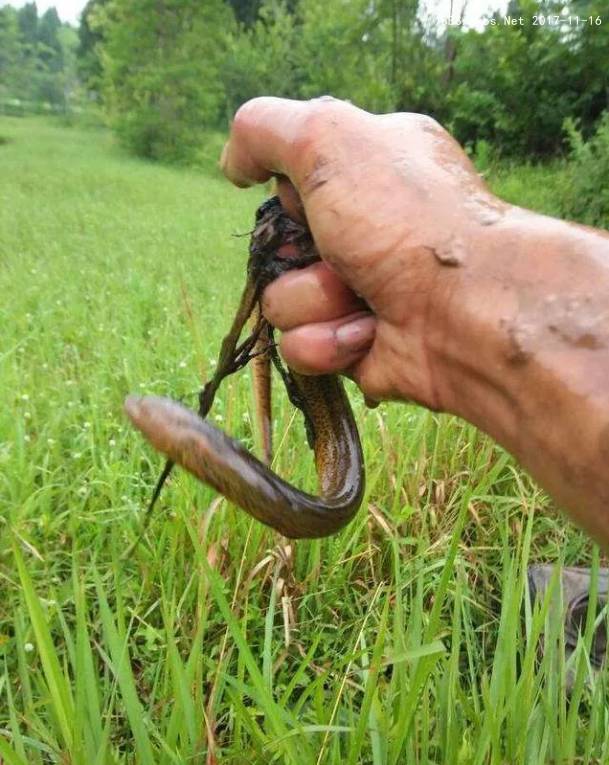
393	203
433	289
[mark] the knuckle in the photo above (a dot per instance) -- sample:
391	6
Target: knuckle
424	122
246	116
317	118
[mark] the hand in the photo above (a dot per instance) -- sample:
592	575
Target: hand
391	201
473	306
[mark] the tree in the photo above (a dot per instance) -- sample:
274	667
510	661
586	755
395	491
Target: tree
515	85
50	55
90	40
161	80
10	49
342	51
589	42
36	58
246	11
261	59
28	23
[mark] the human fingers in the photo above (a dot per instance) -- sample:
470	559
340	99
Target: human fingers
306	296
260	137
290	199
328	347
277	136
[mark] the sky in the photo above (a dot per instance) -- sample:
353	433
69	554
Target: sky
69	10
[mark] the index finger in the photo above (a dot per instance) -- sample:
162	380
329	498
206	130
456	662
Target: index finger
261	134
270	136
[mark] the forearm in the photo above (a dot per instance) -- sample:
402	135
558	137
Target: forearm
526	357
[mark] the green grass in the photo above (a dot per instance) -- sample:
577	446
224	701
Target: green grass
536	186
404	639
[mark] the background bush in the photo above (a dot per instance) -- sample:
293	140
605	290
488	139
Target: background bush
586	196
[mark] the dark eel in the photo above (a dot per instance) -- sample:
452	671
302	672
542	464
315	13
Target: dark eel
189	440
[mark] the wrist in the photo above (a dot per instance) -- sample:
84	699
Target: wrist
485	339
522	323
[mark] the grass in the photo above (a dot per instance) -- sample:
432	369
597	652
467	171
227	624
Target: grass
404	639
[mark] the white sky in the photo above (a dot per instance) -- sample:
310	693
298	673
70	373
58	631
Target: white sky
69	10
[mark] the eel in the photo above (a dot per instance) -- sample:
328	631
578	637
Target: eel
189	440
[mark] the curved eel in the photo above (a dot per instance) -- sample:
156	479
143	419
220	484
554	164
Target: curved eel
222	462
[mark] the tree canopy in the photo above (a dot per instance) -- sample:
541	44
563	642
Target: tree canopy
165	70
37	57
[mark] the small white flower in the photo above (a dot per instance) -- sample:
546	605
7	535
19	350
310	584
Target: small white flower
111	442
218	417
25	397
82	491
76	455
28	647
213	362
27	416
27	438
45	365
182	364
51	441
86	425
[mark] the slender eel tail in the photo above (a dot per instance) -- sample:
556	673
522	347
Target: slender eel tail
261	380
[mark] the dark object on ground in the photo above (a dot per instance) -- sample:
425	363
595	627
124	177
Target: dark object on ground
570	604
192	442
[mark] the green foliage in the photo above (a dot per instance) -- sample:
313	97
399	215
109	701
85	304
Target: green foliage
338	47
586	197
341	51
246	11
161	81
10	47
511	85
514	85
166	71
261	59
90	38
590	44
37	60
534	185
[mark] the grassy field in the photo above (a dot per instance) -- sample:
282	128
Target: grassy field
404	639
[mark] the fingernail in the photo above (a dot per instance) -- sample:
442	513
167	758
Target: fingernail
357	335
